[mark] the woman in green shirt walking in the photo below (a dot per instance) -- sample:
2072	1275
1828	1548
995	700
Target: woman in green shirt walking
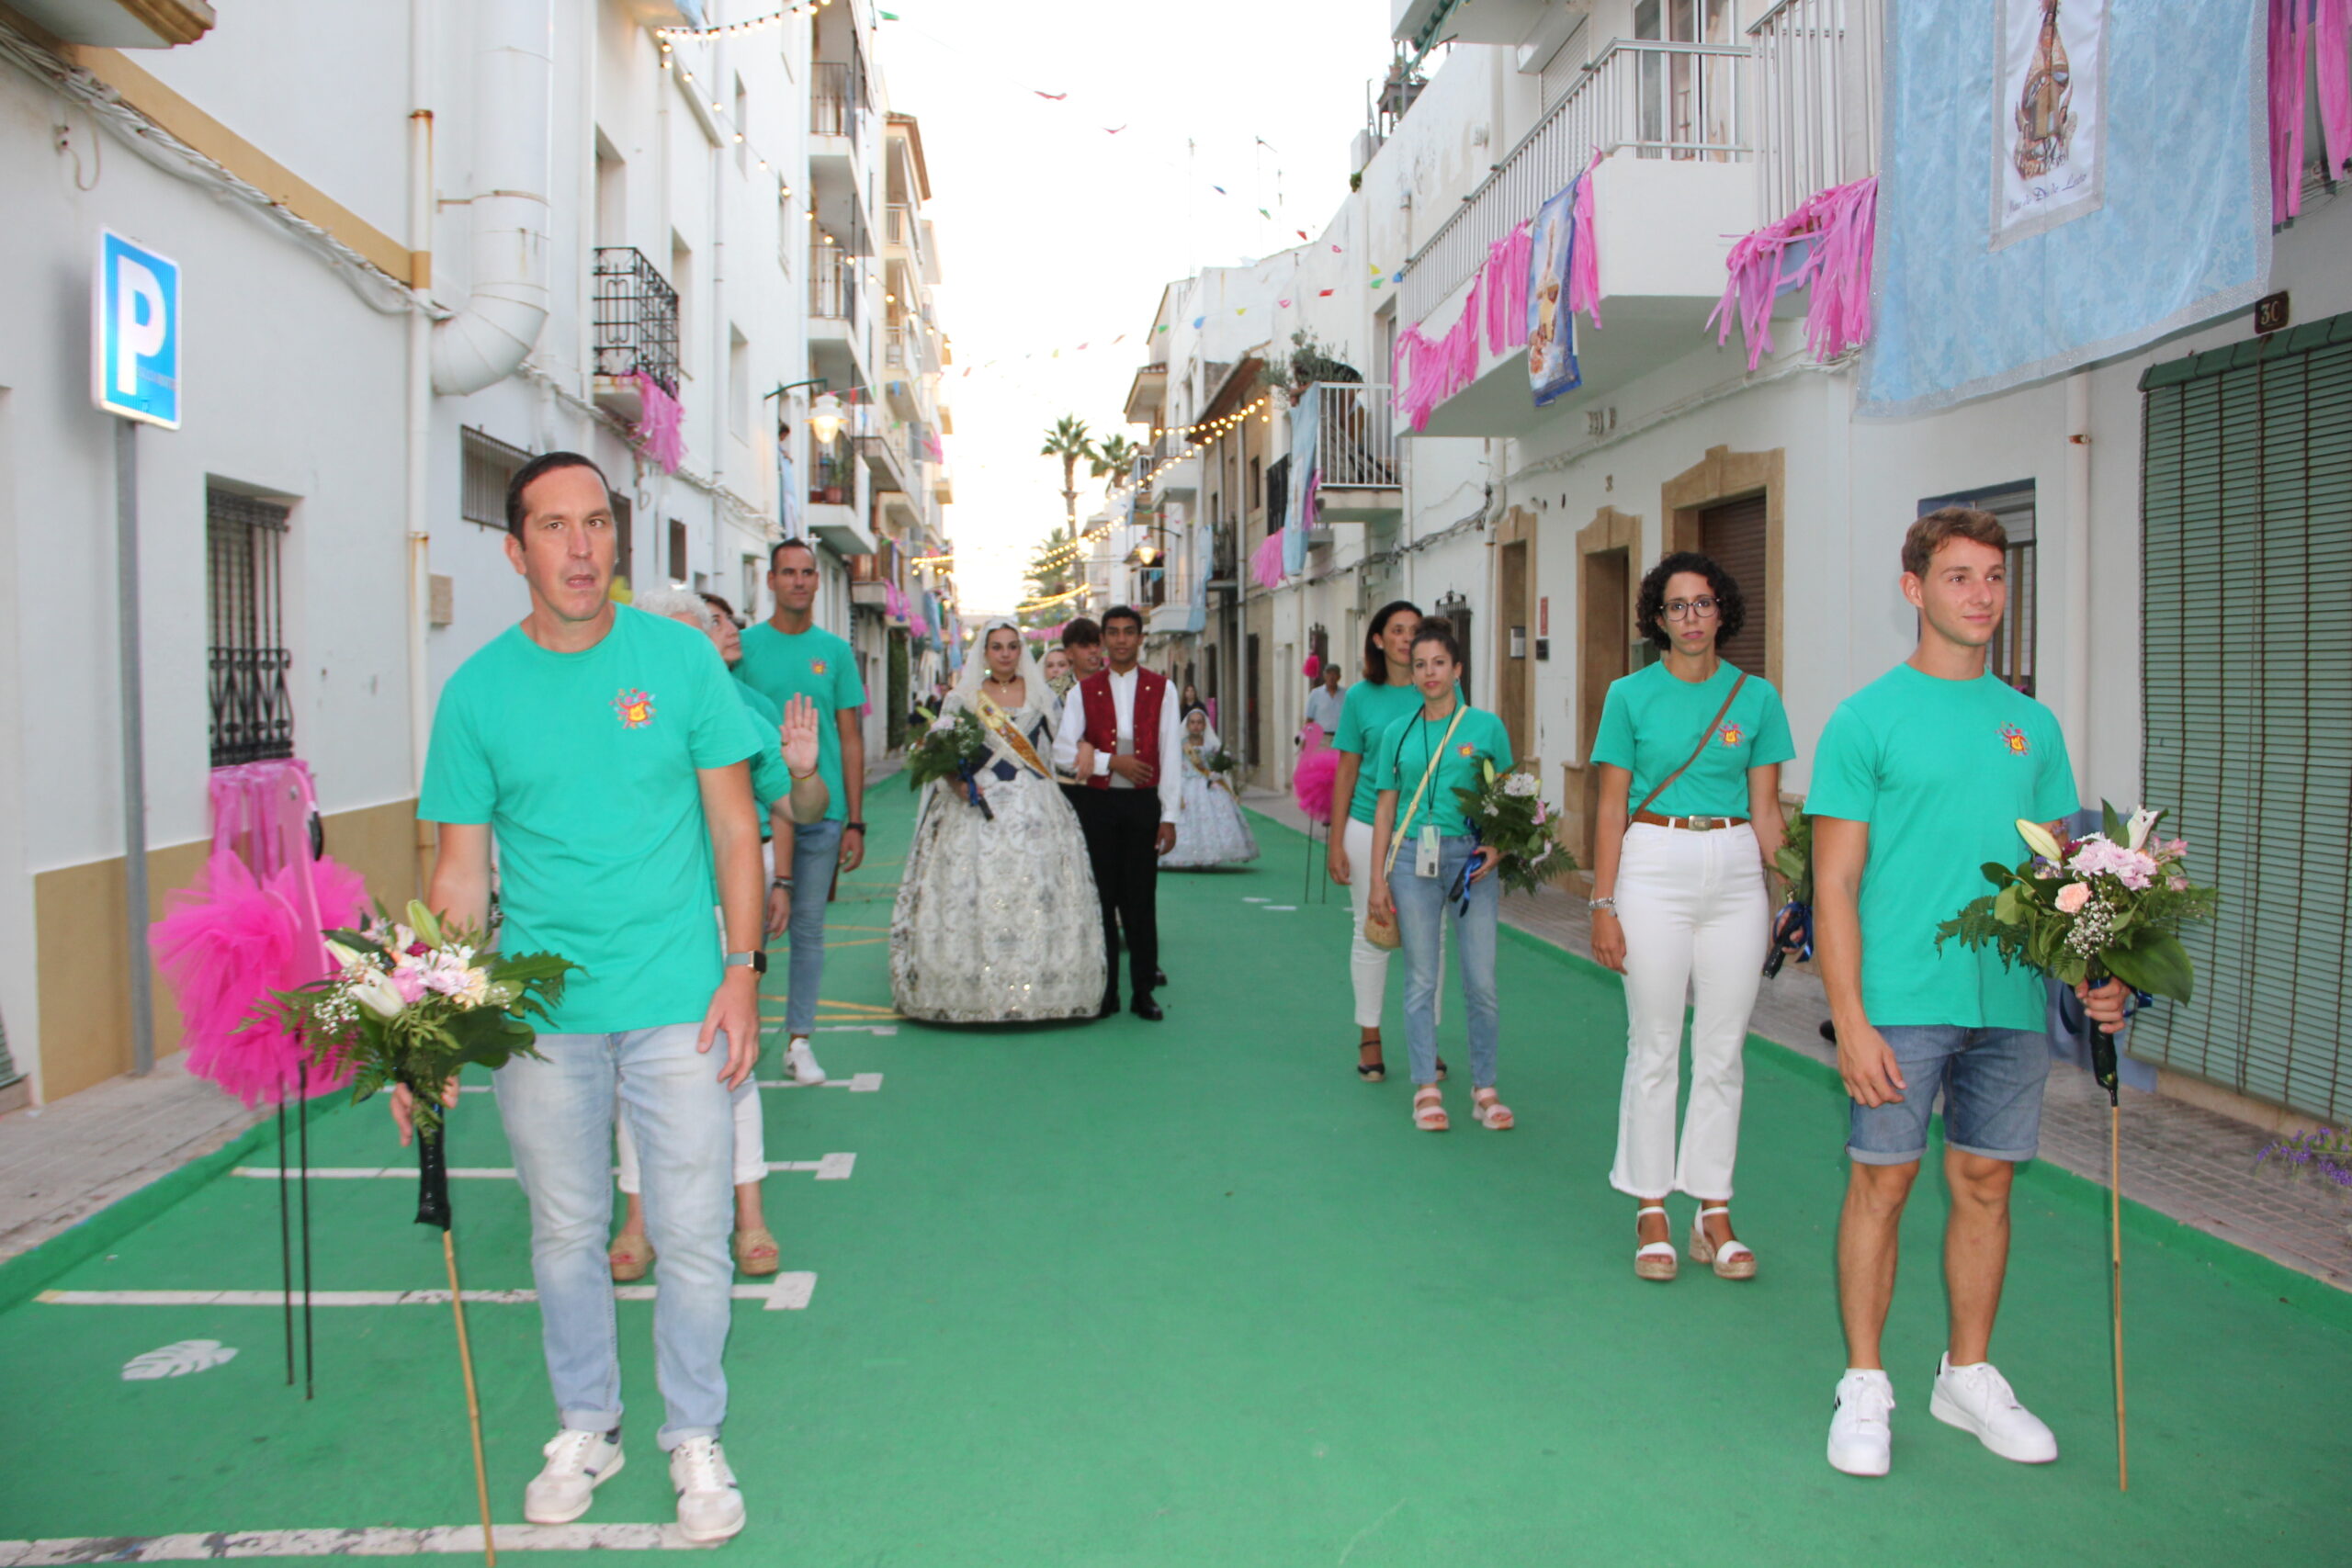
1678	898
1436	866
1384	695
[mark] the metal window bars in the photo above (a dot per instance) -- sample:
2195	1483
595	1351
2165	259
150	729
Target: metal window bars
637	318
486	466
253	713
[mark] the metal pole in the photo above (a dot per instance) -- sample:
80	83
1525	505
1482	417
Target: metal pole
134	746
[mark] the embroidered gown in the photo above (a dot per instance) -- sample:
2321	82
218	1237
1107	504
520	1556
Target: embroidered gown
997	921
1210	828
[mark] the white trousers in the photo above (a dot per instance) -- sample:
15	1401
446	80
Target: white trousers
1694	908
751	1145
1367	965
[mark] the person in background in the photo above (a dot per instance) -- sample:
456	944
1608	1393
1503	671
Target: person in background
1444	746
1324	705
1678	904
789	656
1082	648
1386	695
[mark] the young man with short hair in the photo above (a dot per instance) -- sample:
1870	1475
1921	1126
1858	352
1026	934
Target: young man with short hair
789	656
603	750
1921	779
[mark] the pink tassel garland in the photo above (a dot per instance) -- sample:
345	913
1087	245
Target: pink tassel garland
1833	234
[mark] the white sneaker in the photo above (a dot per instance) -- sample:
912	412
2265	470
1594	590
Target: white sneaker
1977	1399
801	1061
709	1509
578	1462
1860	1436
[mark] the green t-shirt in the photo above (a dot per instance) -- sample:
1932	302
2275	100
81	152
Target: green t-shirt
1400	756
1650	724
816	665
1942	771
584	765
771	780
1367	712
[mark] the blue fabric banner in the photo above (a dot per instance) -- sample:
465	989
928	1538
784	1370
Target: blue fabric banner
2063	181
1305	453
1552	369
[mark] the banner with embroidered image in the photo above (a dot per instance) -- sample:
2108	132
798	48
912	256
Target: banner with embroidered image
2048	109
1552	370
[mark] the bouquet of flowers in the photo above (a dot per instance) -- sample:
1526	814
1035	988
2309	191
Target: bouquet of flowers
1793	926
952	750
1507	813
1220	761
2109	903
414	1003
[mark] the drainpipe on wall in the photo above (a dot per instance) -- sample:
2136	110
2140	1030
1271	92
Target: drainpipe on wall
2078	714
416	463
514	79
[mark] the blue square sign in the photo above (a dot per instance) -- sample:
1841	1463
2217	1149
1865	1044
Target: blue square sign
135	336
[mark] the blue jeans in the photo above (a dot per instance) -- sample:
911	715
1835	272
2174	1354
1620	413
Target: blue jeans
816	851
1422	907
558	1118
1991	1081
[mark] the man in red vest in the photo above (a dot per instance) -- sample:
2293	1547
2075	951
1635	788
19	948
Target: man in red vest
1121	738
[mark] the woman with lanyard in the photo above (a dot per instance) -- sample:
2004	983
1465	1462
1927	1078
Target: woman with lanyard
1426	861
1678	901
1373	705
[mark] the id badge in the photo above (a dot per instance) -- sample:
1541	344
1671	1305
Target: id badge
1426	853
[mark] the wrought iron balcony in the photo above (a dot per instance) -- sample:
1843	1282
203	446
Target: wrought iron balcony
1816	99
1356	438
834	284
637	318
836	99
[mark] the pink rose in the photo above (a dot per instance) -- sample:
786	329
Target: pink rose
2073	897
409	983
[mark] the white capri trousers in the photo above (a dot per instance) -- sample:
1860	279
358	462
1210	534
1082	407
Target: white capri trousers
1696	922
1367	965
751	1145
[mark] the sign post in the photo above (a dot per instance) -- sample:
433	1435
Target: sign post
135	375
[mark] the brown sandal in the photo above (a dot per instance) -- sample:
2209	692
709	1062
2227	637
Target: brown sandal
631	1255
756	1252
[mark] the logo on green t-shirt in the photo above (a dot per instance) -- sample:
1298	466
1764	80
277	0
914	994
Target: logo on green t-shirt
2015	739
816	667
635	708
1732	735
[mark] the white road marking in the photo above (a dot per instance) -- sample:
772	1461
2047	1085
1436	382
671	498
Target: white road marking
1247	900
858	1028
785	1292
379	1541
176	1360
862	1083
832	1168
1273	906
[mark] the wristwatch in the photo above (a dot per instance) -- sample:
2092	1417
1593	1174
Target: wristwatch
756	961
1599	905
852	827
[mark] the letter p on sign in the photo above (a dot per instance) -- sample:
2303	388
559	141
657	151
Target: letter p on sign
135	322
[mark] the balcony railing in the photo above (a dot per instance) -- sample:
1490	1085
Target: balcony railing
832	478
901	228
637	318
1816	98
1661	100
1355	443
832	283
836	99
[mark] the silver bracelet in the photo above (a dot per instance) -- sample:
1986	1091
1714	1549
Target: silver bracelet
1600	906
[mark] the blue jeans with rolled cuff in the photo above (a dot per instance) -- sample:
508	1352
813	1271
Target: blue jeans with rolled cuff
1423	906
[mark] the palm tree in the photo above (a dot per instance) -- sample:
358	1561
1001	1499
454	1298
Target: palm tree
1054	569
1069	441
1114	458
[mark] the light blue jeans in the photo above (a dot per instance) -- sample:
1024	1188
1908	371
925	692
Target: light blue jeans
1422	907
816	851
559	1117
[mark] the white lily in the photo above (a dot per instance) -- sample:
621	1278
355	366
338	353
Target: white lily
2143	822
375	991
2036	839
343	957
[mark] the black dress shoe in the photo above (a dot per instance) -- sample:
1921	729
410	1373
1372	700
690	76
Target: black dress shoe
1110	1007
1159	979
1147	1009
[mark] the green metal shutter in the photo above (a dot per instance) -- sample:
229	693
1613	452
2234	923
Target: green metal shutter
2246	684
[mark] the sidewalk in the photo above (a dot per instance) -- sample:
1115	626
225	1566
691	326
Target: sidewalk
2191	1164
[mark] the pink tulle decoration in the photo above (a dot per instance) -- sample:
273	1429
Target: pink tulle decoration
1314	667
1311	781
1826	243
662	429
1584	258
1266	562
1505	290
226	944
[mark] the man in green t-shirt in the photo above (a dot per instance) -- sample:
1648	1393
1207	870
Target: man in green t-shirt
603	752
789	656
1921	778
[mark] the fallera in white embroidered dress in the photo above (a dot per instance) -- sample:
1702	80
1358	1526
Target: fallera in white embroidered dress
1210	828
997	921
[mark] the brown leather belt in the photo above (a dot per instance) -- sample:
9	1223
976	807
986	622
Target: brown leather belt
1695	824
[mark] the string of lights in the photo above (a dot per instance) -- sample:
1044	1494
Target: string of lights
1056	599
748	25
1217	426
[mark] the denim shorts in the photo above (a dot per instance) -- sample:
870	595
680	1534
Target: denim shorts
1990	1081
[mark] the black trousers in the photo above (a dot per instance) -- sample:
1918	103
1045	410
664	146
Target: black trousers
1122	828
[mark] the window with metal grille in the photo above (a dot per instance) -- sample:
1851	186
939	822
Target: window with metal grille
486	466
252	715
2245	656
677	551
1276	489
2012	657
1733	537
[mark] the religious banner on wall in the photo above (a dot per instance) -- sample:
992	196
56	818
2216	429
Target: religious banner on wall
2154	206
1552	370
2049	101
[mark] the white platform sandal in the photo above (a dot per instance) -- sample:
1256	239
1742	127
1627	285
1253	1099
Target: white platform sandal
1654	1259
1732	1261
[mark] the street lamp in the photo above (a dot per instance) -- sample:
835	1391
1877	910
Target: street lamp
826	416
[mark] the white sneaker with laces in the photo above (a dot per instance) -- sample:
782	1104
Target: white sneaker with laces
709	1507
1977	1399
801	1061
1861	1437
578	1462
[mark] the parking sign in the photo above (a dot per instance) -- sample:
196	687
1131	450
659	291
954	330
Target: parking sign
135	333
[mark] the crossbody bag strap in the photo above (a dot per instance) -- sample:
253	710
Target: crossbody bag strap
1396	839
1697	752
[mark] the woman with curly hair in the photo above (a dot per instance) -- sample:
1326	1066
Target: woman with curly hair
1678	898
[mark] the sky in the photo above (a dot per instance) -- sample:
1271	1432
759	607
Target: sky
1054	233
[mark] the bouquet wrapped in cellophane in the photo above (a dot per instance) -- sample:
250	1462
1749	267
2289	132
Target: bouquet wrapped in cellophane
2110	903
952	750
1507	813
1793	923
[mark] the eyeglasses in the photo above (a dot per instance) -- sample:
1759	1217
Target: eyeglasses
1691	609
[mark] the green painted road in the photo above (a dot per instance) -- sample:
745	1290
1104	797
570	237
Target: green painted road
1189	1293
